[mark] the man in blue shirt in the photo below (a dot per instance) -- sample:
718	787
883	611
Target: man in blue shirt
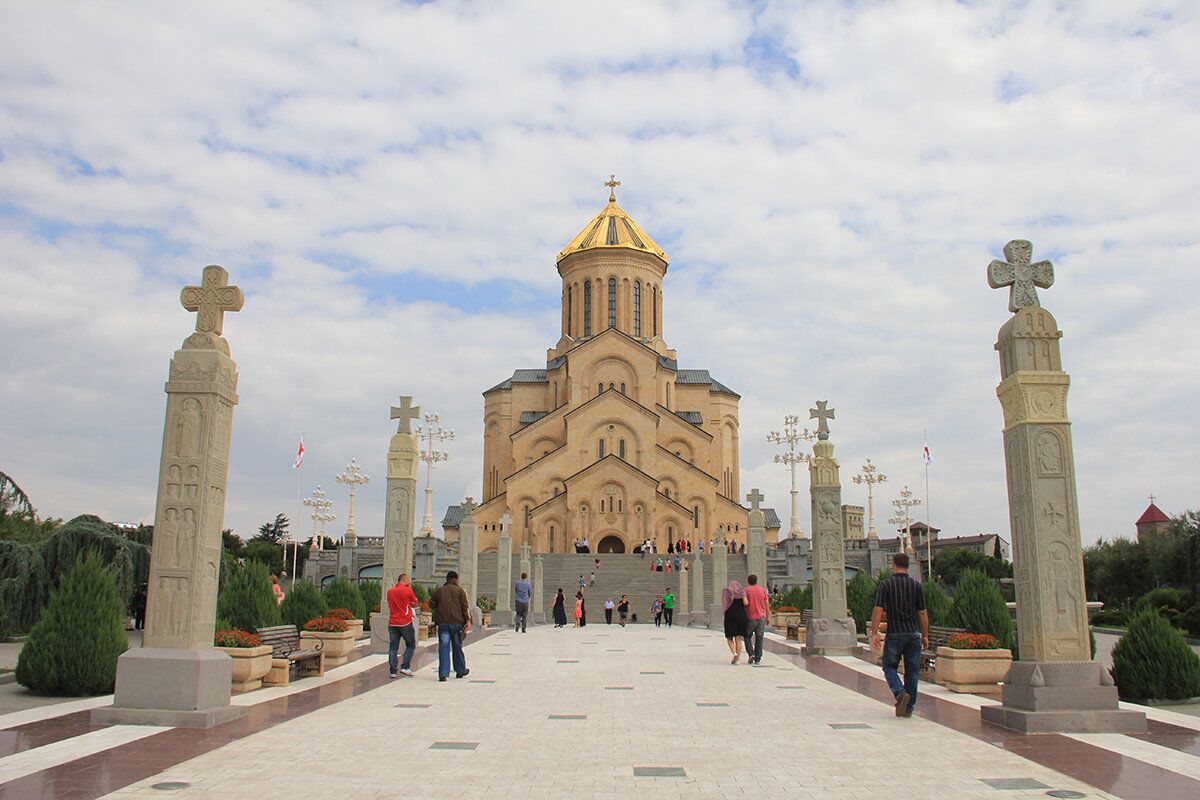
521	593
903	600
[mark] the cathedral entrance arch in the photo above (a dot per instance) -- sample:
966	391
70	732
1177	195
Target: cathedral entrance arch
611	544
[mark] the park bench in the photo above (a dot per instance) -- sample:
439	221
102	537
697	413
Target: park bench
793	631
939	636
288	659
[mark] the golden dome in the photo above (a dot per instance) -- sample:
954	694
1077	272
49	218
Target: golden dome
612	227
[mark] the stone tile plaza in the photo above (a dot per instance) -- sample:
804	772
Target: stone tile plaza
687	401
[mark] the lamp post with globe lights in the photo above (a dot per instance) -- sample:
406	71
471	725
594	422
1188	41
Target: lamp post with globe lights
430	433
902	505
791	435
870	475
320	506
352	477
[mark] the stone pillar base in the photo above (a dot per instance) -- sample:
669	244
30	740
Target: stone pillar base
178	688
831	637
379	632
503	618
1061	697
684	619
537	617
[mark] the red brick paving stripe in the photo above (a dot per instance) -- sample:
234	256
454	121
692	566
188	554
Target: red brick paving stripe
1115	773
19	738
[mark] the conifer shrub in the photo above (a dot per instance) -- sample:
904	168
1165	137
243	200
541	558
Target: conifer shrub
1153	662
301	604
420	591
798	598
73	648
371	594
339	593
860	599
937	604
979	608
247	601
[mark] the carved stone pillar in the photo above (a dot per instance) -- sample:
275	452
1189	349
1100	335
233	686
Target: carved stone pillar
468	552
504	614
399	519
832	631
537	609
176	678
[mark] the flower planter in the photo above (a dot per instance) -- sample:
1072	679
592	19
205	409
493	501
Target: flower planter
250	666
335	646
356	628
782	619
977	671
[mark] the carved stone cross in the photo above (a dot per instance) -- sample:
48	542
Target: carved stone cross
211	299
505	521
612	183
755	497
822	415
406	412
1023	278
468	506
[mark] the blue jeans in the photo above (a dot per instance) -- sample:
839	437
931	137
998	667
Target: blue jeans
450	644
755	630
395	634
907	645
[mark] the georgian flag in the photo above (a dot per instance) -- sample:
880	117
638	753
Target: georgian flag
925	456
300	454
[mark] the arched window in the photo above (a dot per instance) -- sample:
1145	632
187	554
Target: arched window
737	528
654	311
666	491
600	448
570	309
526	526
555	494
551	538
637	308
587	308
620	505
612	302
621	449
695	516
622	388
610	386
599	388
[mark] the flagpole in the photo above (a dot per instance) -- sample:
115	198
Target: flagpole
299	492
928	530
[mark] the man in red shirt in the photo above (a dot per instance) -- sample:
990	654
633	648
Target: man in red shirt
756	614
401	600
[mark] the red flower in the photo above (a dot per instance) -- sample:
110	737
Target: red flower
236	638
974	641
327	624
340	613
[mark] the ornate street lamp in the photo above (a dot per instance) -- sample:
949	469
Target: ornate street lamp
320	506
431	432
792	436
902	504
352	477
870	476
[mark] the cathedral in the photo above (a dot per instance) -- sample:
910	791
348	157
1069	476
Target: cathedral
611	440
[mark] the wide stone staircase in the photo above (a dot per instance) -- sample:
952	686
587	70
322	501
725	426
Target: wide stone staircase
625	573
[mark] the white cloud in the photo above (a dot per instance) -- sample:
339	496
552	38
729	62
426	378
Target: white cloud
363	170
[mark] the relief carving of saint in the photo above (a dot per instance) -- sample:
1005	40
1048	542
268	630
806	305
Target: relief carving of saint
187	429
187	538
1049	454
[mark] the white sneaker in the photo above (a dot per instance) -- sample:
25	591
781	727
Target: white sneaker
406	673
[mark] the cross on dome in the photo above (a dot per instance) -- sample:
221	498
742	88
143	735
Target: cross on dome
211	299
406	412
612	183
1023	278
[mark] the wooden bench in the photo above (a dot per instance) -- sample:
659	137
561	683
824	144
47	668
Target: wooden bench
288	659
793	631
939	636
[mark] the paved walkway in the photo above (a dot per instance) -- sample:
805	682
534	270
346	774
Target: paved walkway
601	712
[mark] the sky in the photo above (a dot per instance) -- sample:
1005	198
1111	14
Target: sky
390	183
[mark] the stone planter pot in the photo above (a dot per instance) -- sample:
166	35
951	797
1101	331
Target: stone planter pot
336	646
978	671
250	666
782	619
356	628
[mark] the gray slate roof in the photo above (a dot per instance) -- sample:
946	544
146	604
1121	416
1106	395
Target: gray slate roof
530	417
702	376
771	519
453	518
693	417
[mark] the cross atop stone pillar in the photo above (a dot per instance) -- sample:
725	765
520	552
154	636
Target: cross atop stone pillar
832	631
756	539
468	551
1055	686
504	614
537	605
399	515
177	678
720	577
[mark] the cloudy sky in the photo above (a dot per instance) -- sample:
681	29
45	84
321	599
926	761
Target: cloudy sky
390	183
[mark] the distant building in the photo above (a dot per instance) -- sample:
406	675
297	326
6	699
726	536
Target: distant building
852	522
1152	520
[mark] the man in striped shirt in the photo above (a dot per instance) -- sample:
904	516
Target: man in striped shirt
902	599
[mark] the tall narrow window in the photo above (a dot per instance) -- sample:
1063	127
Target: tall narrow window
570	311
622	388
599	388
551	538
637	308
587	308
600	448
621	449
612	302
621	506
654	311
695	516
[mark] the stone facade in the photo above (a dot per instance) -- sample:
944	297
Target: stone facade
611	440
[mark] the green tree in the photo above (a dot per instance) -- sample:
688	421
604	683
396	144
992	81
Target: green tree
372	595
1117	572
951	562
1152	661
339	593
979	608
937	604
860	598
302	602
73	648
247	601
231	542
275	531
264	552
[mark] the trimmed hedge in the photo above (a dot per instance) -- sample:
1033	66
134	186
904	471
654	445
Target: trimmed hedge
301	604
1153	662
860	599
339	593
937	604
979	608
247	601
371	594
73	648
